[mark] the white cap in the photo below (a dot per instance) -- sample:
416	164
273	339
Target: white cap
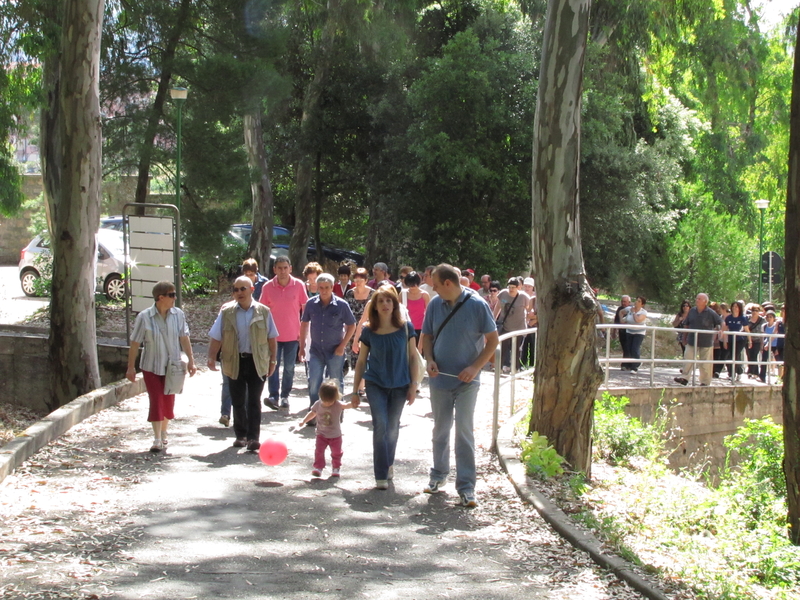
528	281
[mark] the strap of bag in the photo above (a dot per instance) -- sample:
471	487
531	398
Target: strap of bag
508	308
164	336
447	319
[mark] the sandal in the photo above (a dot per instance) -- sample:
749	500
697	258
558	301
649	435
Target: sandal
157	446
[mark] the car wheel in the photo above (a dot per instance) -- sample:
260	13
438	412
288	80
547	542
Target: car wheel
28	282
115	287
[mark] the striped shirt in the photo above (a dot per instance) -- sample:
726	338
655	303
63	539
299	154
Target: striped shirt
147	331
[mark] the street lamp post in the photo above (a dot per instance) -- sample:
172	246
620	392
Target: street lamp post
761	205
178	95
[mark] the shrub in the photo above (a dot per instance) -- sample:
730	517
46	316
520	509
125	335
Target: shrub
540	459
618	437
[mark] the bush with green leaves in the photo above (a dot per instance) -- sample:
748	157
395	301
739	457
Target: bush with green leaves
196	277
540	459
618	437
753	472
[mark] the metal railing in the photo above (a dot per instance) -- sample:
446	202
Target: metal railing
502	380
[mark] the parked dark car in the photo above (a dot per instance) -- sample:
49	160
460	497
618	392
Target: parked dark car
281	236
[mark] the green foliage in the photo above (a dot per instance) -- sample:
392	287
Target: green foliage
618	438
540	459
712	253
753	473
196	276
43	263
724	541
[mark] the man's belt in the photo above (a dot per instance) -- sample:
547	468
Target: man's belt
245	355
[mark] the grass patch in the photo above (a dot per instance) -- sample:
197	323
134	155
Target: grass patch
726	541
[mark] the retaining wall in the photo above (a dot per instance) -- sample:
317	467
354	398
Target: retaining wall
25	366
701	417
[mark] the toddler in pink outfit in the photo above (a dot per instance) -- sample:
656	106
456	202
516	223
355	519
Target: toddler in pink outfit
328	412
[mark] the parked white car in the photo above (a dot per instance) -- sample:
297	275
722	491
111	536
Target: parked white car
109	269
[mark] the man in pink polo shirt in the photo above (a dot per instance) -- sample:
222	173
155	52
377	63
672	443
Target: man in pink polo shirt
285	296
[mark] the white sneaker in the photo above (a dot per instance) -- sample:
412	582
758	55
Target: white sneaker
391	472
335	473
381	484
434	487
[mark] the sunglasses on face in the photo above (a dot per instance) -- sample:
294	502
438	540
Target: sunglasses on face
171	294
239	289
494	290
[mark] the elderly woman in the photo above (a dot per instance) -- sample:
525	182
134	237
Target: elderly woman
385	362
310	274
163	331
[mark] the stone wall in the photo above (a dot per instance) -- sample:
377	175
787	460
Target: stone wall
701	417
26	373
14	235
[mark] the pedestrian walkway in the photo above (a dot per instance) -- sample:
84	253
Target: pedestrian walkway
95	515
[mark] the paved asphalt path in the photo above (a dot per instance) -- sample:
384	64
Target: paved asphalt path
15	306
95	515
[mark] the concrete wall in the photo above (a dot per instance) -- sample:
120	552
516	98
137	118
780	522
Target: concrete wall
701	417
26	373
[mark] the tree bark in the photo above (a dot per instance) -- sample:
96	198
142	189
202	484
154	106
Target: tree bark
319	255
791	378
309	126
263	216
157	110
567	370
76	205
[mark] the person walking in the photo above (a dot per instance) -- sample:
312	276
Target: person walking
734	323
634	337
386	362
331	325
326	413
678	323
621	333
163	331
460	336
246	334
286	298
701	316
511	315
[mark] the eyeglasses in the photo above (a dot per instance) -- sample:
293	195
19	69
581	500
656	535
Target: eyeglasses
240	289
171	294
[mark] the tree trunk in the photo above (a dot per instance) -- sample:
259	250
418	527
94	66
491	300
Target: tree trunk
309	126
76	206
157	110
50	146
567	370
319	255
791	378
263	219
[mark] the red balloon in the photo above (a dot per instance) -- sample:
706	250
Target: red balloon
273	452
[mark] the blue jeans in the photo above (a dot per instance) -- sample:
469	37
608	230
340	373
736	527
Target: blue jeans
225	406
458	402
634	342
386	406
287	352
318	368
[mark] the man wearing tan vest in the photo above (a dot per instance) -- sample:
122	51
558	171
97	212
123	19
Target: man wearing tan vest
246	333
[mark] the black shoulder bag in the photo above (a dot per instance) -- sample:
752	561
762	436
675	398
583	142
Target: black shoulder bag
506	310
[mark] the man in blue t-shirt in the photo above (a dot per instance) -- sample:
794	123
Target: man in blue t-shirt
456	351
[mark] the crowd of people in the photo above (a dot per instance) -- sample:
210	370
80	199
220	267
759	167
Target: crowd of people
726	348
372	324
381	329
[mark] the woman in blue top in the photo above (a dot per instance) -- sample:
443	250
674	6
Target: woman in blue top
387	341
735	344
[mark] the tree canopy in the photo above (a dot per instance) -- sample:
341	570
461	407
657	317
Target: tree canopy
404	129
